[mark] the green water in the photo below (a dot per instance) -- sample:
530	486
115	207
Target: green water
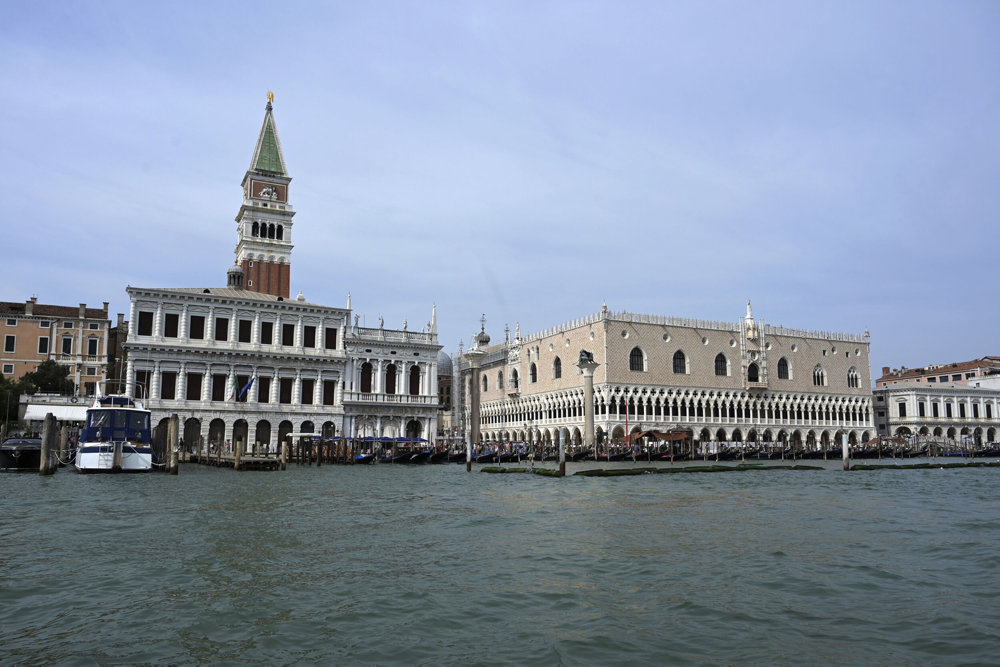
432	565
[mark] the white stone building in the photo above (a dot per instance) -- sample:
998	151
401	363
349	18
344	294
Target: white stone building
707	381
247	363
946	413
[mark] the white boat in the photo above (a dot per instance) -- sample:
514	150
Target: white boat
116	438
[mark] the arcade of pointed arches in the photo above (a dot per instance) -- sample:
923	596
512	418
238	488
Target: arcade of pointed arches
709	414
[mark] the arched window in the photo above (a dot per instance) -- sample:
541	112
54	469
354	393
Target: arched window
852	378
557	368
281	232
721	365
753	373
500	380
680	362
270	231
533	373
636	360
485	384
414	380
390	379
819	376
256	229
514	379
783	369
366	378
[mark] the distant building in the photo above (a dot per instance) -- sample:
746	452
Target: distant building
940	411
247	363
960	372
445	384
705	381
74	336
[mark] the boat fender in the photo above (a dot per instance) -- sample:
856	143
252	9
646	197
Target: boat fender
74	399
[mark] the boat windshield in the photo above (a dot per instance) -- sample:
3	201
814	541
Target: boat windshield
117	425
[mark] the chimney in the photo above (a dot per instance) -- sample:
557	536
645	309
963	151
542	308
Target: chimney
83	311
105	310
885	370
121	320
29	306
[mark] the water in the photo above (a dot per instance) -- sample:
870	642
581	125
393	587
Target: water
432	565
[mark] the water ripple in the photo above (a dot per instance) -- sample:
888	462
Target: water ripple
431	565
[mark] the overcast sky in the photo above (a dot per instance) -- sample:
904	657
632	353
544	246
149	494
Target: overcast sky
836	162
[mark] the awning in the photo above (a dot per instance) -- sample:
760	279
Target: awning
673	435
62	413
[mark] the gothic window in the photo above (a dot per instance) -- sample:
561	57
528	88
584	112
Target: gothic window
721	365
636	360
513	379
819	376
753	373
500	380
783	369
852	378
485	384
680	362
533	373
557	368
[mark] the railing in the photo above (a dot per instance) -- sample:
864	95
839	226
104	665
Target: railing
392	335
394	399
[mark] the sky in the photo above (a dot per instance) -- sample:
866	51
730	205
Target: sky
836	163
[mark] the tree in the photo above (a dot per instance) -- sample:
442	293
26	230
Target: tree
50	376
10	394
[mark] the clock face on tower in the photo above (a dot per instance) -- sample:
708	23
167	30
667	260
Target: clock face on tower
264	191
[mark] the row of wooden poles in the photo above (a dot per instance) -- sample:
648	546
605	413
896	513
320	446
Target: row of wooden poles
303	452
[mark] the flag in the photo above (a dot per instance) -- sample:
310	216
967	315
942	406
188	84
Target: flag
233	390
248	384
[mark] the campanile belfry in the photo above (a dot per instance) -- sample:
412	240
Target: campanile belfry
264	223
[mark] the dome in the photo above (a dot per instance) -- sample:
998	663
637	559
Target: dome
444	363
234	277
482	339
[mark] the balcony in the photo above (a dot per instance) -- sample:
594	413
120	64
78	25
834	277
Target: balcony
389	399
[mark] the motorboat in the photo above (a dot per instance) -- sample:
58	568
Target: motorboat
23	455
116	437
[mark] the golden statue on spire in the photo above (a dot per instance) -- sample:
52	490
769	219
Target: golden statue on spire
270	96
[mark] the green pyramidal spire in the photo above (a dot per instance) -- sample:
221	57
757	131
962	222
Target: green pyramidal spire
267	155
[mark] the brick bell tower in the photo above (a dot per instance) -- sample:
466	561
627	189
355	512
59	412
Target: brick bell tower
264	223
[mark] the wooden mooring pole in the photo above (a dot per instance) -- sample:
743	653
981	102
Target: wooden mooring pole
562	452
172	442
45	466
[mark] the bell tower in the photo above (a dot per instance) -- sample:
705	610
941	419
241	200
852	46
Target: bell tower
264	223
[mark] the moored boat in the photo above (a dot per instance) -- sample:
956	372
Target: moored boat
22	455
116	437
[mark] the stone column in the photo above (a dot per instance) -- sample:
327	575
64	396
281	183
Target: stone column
180	387
587	365
475	357
158	322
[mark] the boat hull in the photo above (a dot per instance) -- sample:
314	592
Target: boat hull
91	458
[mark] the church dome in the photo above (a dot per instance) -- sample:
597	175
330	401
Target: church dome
444	363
